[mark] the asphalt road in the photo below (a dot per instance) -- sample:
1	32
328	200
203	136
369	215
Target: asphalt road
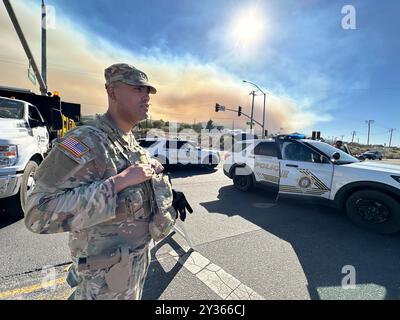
270	250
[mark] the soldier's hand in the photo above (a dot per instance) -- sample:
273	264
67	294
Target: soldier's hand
180	204
157	166
133	175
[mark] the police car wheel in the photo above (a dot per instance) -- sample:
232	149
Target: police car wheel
374	210
243	182
27	184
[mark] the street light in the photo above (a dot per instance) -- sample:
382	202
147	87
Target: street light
263	126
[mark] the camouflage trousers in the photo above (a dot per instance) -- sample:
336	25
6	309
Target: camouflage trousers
124	284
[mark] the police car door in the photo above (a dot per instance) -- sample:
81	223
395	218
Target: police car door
303	171
266	163
39	129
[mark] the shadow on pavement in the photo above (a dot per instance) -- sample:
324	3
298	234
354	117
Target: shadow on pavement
323	239
184	171
158	280
7	216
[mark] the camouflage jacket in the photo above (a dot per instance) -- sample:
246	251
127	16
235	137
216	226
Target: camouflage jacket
74	192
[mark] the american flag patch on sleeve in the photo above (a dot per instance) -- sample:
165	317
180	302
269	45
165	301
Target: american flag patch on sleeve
74	146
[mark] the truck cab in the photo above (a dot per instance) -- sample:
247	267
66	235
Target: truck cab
28	125
24	141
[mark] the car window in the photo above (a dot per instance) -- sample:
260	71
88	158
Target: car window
183	144
34	114
11	109
146	144
329	150
298	152
174	144
265	149
240	146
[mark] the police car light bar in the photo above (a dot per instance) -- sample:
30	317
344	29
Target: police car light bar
296	136
292	136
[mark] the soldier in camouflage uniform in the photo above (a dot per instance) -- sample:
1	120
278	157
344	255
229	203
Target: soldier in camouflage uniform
99	185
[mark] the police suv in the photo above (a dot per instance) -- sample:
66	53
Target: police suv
173	151
295	166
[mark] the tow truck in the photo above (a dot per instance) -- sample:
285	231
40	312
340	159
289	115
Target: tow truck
308	169
28	125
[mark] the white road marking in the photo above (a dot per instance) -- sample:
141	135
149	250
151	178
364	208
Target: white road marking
217	279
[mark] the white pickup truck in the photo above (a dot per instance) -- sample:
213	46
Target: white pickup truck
28	125
24	141
298	167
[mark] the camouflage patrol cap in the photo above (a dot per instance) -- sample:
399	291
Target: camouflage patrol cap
127	74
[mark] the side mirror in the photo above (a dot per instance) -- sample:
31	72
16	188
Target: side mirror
56	120
336	156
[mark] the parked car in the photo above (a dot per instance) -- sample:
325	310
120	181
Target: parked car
172	151
372	155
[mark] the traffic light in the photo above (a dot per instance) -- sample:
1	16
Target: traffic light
219	107
239	111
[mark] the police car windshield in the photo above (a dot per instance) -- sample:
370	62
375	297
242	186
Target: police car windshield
11	109
330	150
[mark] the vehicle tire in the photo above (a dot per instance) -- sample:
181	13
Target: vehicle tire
210	163
243	182
27	184
374	210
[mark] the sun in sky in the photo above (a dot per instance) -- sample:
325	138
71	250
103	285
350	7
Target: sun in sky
248	28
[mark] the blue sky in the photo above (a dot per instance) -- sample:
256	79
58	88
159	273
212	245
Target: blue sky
343	77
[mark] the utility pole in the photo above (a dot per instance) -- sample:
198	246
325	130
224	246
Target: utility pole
263	122
253	93
342	137
263	126
14	20
44	41
391	134
369	122
352	136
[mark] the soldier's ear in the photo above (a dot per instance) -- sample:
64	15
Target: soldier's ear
111	92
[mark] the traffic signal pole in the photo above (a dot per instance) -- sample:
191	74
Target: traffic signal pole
218	108
14	20
44	43
253	93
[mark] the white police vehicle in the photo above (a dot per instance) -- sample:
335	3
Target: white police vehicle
295	166
173	151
